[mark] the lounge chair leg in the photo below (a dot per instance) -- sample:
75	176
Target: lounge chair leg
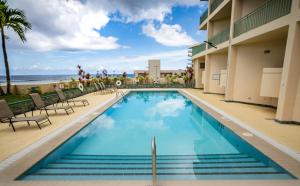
49	121
47	112
67	111
28	123
12	125
38	125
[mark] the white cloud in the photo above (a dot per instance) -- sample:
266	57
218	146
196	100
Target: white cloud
64	25
170	107
172	60
139	10
105	121
102	121
121	63
159	125
75	25
168	35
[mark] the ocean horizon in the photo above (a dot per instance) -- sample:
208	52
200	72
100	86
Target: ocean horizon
39	79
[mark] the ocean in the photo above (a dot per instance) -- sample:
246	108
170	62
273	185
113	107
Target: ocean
40	79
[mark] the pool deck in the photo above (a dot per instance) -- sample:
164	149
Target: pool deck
13	146
257	117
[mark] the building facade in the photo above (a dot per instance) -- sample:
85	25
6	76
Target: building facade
252	53
155	73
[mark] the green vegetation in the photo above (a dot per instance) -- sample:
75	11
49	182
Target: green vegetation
13	98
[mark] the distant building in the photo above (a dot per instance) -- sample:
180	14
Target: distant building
155	72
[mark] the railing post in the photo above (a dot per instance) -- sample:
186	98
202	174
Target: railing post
154	178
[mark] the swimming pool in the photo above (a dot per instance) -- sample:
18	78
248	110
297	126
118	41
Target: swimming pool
190	145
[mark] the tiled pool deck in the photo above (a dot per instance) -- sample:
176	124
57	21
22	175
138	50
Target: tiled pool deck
23	148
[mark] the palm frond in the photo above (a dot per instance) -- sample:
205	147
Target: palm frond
14	19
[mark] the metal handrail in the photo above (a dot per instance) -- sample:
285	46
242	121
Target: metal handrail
153	145
267	12
199	48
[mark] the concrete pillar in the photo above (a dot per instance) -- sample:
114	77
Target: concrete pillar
207	74
197	73
231	68
232	51
290	75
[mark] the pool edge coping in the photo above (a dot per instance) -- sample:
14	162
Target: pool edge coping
261	135
58	132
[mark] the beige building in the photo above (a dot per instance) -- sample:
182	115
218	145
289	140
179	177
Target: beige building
155	73
252	53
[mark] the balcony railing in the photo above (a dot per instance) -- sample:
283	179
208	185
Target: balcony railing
203	17
220	37
214	5
198	49
269	11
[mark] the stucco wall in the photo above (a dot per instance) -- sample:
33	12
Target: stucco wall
296	113
25	88
220	25
251	59
250	5
217	63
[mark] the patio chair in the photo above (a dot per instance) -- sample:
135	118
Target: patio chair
98	88
63	98
40	105
7	116
109	90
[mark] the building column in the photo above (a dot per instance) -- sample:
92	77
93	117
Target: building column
207	74
236	10
290	75
197	73
231	67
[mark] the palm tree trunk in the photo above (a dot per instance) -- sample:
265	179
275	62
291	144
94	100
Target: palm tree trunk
5	61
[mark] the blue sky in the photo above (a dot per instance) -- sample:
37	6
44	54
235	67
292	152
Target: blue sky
116	35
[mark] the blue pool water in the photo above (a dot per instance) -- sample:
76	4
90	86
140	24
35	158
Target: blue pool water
190	145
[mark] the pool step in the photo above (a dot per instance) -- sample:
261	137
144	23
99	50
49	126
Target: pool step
221	166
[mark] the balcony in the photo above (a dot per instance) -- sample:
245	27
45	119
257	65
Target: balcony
269	11
199	48
220	37
214	5
203	17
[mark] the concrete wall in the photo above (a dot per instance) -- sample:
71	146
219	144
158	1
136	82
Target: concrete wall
296	113
251	59
270	83
25	89
289	89
216	62
220	25
198	74
250	5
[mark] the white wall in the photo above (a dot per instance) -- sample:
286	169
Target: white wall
217	62
251	60
220	25
250	5
296	113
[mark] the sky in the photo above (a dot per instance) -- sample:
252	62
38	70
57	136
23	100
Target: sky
117	35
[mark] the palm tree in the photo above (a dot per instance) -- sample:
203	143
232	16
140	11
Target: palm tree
14	19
